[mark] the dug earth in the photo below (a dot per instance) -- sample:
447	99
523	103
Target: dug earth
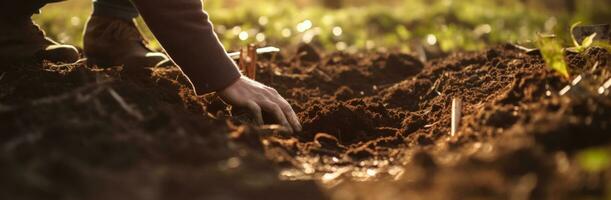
376	126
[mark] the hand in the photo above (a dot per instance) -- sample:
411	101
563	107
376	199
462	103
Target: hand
256	96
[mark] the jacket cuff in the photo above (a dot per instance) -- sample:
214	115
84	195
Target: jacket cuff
221	81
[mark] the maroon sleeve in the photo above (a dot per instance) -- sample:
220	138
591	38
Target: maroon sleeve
185	32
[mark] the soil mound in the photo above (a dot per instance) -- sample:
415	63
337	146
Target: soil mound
69	131
351	122
73	132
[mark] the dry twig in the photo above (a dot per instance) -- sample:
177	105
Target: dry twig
604	87
456	115
124	105
248	61
251	70
80	61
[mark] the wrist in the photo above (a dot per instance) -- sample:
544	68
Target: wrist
230	83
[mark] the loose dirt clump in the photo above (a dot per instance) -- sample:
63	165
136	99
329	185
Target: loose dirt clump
351	122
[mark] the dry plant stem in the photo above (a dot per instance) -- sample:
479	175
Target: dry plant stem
124	105
604	87
248	61
456	115
80	61
242	62
252	65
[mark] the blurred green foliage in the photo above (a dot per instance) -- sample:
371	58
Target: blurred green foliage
583	45
594	159
553	54
361	24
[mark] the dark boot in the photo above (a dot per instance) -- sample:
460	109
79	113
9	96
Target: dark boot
22	40
117	42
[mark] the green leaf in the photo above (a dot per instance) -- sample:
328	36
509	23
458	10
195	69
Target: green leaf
553	55
575	43
587	42
561	67
402	32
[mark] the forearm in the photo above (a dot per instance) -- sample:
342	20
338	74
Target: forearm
185	32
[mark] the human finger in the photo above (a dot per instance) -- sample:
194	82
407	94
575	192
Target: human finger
286	109
290	115
273	108
256	110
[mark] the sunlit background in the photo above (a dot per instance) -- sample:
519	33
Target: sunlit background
354	25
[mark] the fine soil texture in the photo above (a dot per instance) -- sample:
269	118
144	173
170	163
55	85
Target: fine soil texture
376	126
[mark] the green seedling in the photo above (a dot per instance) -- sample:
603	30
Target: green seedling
602	44
585	44
552	53
594	159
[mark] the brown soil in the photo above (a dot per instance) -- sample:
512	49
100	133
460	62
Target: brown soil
376	126
65	136
364	115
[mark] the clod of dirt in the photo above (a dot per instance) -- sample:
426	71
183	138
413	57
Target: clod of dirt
400	66
351	122
407	94
328	143
308	53
344	93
